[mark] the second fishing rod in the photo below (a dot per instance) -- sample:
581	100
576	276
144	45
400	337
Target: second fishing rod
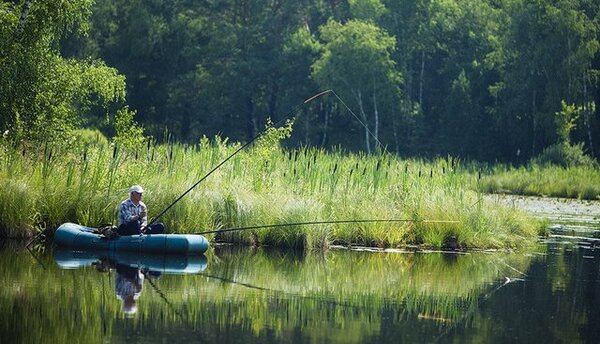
261	133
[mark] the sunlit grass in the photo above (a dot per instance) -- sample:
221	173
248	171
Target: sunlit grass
260	186
580	182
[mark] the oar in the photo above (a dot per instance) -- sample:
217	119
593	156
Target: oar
288	115
321	223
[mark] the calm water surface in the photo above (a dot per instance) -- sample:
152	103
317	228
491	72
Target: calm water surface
550	293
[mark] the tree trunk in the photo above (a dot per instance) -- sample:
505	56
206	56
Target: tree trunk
395	132
376	115
24	13
586	114
534	119
364	119
251	127
324	132
421	77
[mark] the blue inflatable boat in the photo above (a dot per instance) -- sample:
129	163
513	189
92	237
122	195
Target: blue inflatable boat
74	236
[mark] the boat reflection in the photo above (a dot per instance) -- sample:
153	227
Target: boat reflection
131	270
151	263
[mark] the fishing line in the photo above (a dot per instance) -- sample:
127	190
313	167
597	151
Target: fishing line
358	119
288	115
321	223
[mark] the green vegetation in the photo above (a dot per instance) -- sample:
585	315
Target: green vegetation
481	80
263	185
562	170
551	181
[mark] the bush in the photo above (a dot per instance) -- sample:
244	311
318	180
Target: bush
565	155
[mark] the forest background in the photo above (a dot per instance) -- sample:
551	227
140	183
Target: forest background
491	80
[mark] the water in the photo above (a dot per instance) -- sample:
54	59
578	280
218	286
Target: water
550	293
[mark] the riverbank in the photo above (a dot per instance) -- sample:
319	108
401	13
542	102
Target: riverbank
261	186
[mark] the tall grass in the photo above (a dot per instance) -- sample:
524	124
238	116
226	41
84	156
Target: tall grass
582	182
261	185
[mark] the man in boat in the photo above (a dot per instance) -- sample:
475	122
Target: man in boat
133	215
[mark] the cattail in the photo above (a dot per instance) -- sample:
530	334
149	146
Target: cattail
85	155
296	156
136	154
290	155
406	168
419	173
365	170
431	173
378	163
115	151
335	168
479	175
443	170
148	147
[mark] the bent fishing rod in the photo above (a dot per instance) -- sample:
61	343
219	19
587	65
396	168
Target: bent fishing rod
287	116
290	224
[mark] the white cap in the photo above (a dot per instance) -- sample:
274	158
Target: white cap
136	188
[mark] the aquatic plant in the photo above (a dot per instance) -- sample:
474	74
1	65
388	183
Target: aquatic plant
254	188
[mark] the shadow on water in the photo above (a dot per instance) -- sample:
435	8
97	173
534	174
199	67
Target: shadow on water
237	294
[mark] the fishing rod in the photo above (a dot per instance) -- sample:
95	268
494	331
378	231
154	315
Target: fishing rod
321	223
288	115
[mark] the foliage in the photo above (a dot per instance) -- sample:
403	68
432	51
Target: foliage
42	94
566	120
129	134
565	155
356	60
270	141
477	79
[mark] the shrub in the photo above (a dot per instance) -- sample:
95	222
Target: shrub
565	155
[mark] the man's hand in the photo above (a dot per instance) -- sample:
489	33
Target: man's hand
142	215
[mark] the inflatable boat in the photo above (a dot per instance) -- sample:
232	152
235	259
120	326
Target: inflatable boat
74	236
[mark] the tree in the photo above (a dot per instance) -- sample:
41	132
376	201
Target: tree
42	94
543	57
356	62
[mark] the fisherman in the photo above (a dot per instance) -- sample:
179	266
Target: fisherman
133	215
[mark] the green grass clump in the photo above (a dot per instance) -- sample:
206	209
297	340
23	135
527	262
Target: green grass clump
581	182
259	186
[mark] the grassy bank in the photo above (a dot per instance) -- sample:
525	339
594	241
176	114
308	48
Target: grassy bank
582	182
263	185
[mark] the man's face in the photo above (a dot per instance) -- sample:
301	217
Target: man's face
136	196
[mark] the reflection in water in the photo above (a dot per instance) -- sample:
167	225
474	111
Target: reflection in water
256	295
128	287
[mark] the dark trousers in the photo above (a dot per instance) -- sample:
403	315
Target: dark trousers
133	228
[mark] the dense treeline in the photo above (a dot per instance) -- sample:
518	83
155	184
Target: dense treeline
486	80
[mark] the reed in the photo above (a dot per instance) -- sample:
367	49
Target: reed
581	182
260	185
